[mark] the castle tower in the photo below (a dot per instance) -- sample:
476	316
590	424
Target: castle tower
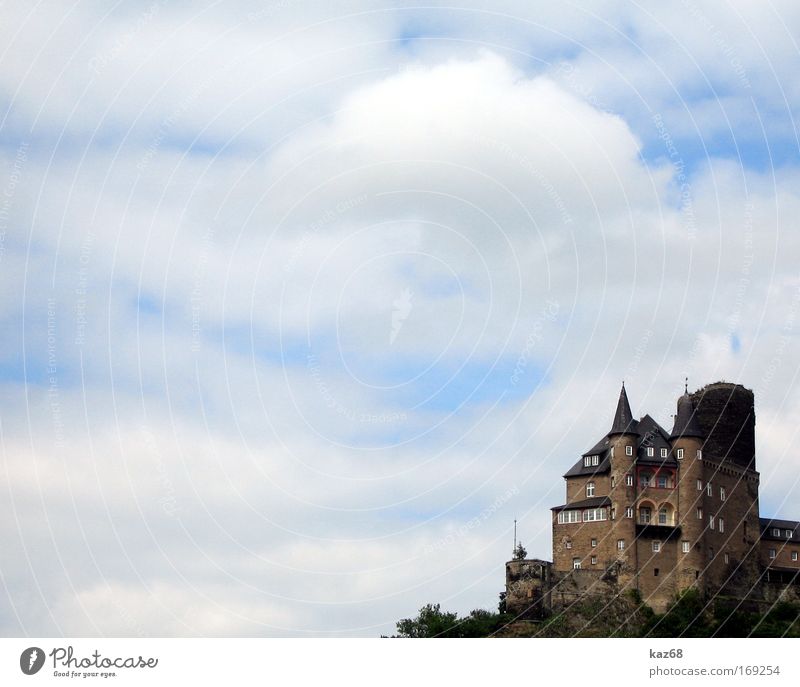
623	439
687	440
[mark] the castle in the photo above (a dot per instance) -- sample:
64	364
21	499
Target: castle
659	512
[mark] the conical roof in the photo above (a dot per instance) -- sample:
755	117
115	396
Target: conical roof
686	424
623	417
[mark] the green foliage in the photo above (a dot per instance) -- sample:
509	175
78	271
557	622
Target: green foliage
520	552
433	622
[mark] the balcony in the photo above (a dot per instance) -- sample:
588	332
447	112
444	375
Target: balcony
662	532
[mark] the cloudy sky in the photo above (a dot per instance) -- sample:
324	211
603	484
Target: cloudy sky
303	303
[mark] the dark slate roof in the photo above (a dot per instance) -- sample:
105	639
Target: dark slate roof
594	502
686	423
603	466
599	448
653	434
623	417
768	523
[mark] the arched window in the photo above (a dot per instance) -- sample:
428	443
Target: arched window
645	514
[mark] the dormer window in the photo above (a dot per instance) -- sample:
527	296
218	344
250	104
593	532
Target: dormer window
788	534
776	532
663	453
590	489
595	460
587	461
650	451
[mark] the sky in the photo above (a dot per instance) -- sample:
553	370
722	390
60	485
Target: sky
304	303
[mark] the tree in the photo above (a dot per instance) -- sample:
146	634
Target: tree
520	552
431	622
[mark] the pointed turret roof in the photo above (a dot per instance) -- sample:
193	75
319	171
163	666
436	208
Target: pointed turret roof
623	418
686	424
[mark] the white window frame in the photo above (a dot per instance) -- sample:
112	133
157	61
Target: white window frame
679	454
789	534
629	480
587	461
645	515
576	563
650	451
620	544
772	554
666	481
722	494
594	560
628	511
656	546
663	453
594	514
699	513
569	517
727	558
665	513
699	454
699	485
568	544
794	555
776	532
629	450
711	521
589	489
595	460
721	525
594	543
685	546
709	489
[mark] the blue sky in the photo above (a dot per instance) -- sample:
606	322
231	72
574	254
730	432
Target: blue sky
321	294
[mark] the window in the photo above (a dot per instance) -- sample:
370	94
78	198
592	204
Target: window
685	547
788	534
594	543
576	563
644	515
776	532
794	555
594	560
709	489
655	572
587	461
711	521
722	494
568	544
663	453
629	450
679	454
644	479
721	524
593	514
620	544
629	480
590	489
699	485
569	516
613	481
595	460
656	546
699	454
699	513
711	553
727	559
662	482
650	451
662	516
629	512
772	553
613	513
